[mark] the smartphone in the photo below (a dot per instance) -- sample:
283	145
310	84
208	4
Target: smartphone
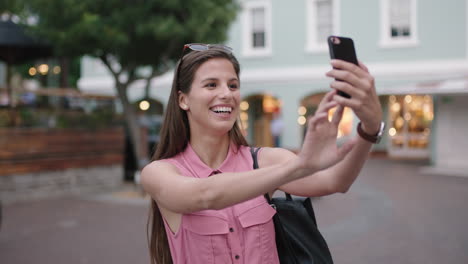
342	48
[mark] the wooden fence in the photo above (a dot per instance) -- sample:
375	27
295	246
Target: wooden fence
24	150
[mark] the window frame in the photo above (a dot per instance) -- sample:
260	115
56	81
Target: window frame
312	43
248	50
386	40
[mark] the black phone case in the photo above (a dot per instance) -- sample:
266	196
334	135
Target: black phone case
342	48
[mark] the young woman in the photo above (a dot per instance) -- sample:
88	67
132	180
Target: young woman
208	204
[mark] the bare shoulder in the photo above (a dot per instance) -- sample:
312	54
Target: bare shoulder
270	156
157	169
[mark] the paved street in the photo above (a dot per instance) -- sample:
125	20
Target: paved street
392	214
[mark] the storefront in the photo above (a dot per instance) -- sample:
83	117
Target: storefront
310	104
258	114
410	125
428	120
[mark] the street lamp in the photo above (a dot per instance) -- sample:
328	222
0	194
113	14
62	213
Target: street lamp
144	105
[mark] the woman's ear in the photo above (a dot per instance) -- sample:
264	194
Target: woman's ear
183	101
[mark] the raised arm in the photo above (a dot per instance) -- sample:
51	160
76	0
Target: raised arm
181	194
359	83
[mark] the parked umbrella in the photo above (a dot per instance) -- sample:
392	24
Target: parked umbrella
17	47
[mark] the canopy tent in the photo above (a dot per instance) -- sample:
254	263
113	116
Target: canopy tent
17	46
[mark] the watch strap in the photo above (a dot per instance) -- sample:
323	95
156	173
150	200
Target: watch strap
368	137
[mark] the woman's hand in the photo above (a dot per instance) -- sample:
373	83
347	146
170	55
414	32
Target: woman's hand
319	150
360	85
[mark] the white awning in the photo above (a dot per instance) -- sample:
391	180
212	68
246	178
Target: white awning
451	86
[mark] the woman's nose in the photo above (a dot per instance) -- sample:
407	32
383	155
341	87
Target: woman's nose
225	91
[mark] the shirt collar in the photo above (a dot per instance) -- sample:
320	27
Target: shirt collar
201	170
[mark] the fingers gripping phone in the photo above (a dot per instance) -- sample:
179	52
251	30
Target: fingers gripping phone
342	48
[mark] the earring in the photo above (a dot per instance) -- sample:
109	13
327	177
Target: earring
185	107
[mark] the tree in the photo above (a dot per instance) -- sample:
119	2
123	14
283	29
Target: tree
8	8
128	35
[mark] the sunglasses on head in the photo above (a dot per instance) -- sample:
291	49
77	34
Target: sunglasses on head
200	47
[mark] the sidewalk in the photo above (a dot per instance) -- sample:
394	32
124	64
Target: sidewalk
394	213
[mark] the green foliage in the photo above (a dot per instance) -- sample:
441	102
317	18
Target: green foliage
94	120
4	118
73	71
133	33
11	6
136	32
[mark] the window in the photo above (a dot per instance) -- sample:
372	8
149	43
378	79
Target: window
322	16
256	27
398	24
400	18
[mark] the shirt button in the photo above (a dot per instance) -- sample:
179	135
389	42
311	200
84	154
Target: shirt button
231	229
237	257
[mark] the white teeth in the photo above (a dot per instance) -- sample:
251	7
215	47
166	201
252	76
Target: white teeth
222	109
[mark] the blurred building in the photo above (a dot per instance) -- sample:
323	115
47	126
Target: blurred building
418	55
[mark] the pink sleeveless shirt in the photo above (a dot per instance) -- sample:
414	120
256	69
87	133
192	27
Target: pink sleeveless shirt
243	233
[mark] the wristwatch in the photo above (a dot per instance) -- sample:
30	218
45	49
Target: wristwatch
375	139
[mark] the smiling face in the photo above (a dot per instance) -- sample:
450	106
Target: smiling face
212	104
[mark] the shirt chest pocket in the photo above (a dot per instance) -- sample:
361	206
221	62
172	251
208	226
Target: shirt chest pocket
255	216
206	236
254	212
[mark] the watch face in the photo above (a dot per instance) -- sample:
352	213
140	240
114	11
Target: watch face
382	129
380	134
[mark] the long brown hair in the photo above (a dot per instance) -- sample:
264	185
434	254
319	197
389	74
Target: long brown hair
174	137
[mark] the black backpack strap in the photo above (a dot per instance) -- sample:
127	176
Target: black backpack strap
254	152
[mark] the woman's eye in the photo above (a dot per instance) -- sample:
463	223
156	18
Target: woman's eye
233	86
211	85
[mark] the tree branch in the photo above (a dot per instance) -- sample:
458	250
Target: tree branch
132	75
109	66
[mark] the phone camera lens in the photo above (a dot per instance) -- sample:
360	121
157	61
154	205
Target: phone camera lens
335	40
